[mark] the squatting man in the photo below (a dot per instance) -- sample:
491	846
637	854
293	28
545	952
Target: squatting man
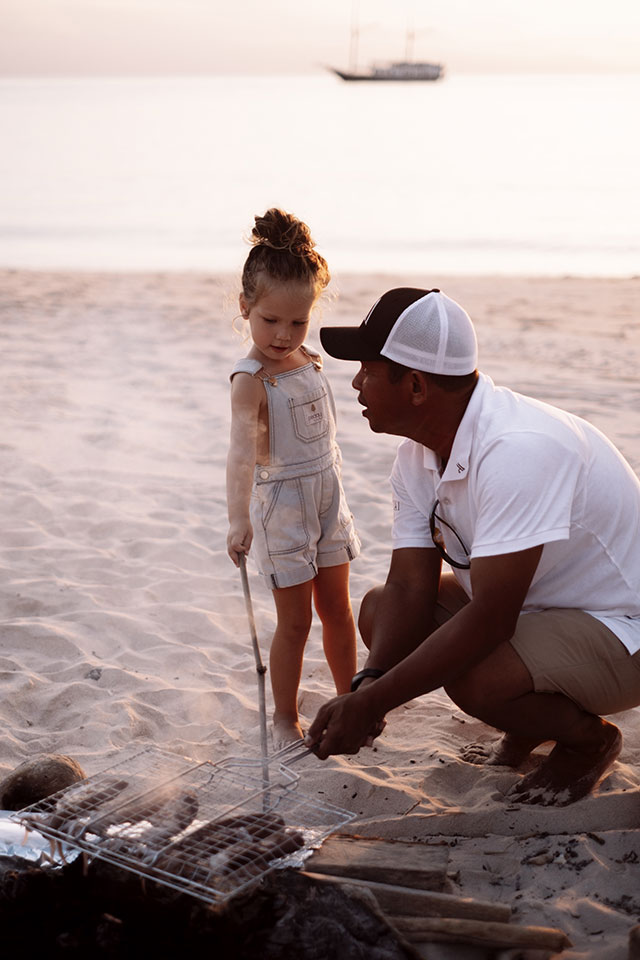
536	629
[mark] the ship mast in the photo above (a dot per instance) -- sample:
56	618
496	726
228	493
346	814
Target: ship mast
353	45
411	36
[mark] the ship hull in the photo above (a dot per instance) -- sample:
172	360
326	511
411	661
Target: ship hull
432	72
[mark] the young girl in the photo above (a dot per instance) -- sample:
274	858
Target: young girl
284	491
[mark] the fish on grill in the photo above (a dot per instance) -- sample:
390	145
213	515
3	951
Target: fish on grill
223	847
72	811
145	838
252	858
147	804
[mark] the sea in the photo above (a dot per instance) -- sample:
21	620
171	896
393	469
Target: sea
473	174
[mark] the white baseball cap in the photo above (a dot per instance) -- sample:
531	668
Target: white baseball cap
421	329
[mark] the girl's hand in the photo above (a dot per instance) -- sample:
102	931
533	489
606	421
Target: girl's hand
239	540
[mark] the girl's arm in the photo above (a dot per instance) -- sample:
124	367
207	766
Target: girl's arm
247	396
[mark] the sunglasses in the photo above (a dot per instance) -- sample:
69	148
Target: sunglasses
438	541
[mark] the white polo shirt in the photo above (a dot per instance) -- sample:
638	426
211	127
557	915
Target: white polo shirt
523	473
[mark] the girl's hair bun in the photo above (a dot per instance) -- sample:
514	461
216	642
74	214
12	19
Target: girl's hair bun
282	231
282	250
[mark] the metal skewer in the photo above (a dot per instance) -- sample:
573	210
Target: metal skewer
293	752
260	669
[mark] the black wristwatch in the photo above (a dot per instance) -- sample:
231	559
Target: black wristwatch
361	675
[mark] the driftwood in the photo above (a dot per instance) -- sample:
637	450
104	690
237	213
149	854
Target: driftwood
480	932
417	865
407	880
403	901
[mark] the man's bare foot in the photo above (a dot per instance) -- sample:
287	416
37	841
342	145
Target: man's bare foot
568	775
509	751
285	731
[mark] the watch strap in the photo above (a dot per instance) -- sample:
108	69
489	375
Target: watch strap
361	675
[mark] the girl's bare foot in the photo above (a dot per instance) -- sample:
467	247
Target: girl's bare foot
509	751
568	775
285	730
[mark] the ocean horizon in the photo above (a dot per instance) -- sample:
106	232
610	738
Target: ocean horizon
473	174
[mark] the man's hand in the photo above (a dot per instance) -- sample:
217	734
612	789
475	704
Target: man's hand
344	725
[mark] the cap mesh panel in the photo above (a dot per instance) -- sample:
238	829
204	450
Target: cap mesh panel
434	334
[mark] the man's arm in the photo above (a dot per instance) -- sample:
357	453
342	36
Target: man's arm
499	585
403	613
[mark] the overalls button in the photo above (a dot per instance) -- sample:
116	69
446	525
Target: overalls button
264	474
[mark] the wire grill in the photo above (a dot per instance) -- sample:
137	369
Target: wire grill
206	829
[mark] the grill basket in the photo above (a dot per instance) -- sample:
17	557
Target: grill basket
206	829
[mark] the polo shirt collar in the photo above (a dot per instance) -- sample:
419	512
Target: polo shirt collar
458	463
430	460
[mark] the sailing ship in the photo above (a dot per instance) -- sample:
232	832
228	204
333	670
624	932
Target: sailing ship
402	70
396	70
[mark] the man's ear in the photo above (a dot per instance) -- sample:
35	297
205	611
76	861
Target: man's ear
417	387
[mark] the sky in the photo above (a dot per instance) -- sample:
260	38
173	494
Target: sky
68	37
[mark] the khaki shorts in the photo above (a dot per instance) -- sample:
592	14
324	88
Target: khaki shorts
566	651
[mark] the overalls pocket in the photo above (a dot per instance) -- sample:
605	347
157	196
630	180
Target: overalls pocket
283	517
310	415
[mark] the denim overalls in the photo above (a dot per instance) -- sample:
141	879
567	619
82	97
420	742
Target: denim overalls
299	512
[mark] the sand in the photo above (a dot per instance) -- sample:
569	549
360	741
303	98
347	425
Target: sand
123	621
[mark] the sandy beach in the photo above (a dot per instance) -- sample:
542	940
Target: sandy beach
123	619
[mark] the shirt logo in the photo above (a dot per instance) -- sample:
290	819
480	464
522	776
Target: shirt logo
461	469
